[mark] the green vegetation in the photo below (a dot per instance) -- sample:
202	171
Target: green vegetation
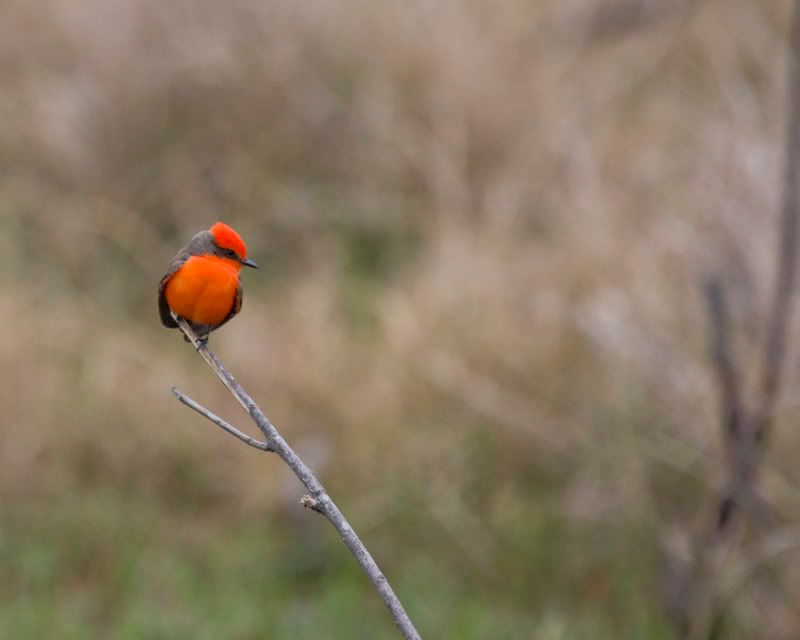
96	566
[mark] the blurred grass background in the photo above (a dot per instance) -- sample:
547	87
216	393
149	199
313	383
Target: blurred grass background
481	226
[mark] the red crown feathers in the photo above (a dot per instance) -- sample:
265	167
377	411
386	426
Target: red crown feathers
227	238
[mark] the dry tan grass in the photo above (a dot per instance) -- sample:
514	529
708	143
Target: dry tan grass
481	223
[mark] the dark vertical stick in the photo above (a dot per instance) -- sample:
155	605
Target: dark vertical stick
733	419
722	355
746	427
783	298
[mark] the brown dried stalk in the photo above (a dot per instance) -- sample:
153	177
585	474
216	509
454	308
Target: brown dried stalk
746	427
746	430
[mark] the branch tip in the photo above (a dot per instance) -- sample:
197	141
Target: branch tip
222	424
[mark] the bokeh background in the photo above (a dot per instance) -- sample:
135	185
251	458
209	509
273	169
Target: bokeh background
482	230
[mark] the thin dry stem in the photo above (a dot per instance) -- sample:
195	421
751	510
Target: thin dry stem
317	498
746	428
785	275
222	424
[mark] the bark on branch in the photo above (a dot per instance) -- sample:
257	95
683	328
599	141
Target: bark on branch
317	498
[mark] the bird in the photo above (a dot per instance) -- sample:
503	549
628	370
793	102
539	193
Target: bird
202	284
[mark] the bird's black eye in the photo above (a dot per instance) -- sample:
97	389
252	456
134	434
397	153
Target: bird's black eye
230	253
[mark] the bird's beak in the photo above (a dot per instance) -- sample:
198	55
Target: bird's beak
247	262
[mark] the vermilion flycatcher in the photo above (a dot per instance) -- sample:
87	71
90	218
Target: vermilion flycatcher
202	284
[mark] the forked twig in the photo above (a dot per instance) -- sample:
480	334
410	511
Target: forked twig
747	426
747	429
317	499
225	426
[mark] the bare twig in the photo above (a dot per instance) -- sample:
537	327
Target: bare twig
257	444
783	300
746	427
317	498
748	430
722	355
732	413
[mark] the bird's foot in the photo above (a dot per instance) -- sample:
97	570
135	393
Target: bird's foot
202	341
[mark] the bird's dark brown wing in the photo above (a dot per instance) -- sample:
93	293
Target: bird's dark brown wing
163	308
200	244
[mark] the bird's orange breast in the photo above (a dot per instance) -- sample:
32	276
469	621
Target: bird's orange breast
203	290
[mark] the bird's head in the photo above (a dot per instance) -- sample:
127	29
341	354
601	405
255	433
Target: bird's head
229	245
